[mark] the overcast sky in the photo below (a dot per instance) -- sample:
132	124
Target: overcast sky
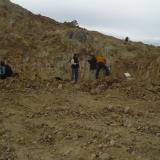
138	19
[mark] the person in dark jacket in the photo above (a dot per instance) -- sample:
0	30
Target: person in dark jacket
93	66
5	70
9	71
92	62
75	68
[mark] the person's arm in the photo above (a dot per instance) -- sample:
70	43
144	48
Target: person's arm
72	62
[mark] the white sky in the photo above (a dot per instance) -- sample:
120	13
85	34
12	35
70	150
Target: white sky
138	19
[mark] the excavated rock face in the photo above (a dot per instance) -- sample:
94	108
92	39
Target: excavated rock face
145	68
79	35
38	46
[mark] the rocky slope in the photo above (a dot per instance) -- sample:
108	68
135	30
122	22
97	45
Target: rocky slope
39	47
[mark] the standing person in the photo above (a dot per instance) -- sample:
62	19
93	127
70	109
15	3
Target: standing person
101	64
2	70
93	66
126	40
75	68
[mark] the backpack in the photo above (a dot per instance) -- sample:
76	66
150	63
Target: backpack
2	70
101	59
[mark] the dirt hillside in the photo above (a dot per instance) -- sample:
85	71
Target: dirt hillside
38	46
43	118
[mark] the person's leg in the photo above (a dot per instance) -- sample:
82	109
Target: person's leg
97	70
107	72
2	77
73	74
76	74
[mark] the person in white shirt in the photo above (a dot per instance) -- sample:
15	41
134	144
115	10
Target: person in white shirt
75	68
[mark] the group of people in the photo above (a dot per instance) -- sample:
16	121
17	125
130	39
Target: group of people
5	70
97	63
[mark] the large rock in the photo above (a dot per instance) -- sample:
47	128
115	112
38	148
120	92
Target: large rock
78	35
105	156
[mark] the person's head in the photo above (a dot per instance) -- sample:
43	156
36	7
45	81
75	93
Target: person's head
91	55
75	56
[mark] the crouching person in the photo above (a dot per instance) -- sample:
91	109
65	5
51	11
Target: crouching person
5	70
101	65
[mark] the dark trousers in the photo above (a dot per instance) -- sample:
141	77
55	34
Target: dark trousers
75	74
2	77
104	67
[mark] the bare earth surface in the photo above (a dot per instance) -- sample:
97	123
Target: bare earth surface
70	124
40	119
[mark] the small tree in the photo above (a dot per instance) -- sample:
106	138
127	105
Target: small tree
74	23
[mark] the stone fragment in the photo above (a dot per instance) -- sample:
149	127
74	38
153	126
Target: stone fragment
105	156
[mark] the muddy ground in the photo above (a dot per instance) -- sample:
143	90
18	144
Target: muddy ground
70	123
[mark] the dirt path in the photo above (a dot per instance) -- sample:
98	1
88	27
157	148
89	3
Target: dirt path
62	125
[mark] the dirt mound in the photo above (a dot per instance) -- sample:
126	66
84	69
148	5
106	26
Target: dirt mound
100	85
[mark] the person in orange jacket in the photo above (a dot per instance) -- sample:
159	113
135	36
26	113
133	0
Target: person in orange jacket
101	64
